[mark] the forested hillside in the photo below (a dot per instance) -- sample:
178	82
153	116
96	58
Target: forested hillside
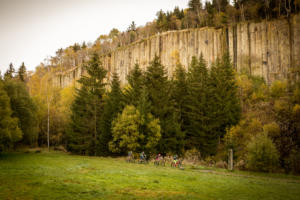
205	108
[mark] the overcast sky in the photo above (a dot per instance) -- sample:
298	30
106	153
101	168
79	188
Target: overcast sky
31	30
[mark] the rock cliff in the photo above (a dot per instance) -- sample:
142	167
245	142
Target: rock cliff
270	49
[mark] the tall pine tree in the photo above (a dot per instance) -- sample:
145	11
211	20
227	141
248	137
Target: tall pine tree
180	88
225	108
22	72
9	74
162	107
79	134
196	113
136	81
113	106
149	124
87	109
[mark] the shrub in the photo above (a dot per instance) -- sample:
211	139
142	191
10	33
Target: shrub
221	164
255	127
272	129
192	155
210	161
262	154
296	112
293	161
278	89
241	165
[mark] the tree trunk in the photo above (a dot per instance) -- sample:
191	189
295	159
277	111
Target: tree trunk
242	12
230	160
95	124
48	124
48	121
279	9
288	7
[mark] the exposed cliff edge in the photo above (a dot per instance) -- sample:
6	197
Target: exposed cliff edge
270	49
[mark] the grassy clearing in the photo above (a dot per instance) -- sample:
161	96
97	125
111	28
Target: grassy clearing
61	176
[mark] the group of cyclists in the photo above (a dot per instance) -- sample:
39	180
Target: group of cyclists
159	159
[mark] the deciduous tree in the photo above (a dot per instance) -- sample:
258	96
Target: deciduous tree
9	130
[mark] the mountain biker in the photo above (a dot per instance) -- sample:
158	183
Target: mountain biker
158	157
175	157
143	156
130	156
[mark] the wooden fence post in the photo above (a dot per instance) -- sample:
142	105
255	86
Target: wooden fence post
230	160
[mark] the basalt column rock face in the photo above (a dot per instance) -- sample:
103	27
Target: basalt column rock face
267	49
171	47
68	77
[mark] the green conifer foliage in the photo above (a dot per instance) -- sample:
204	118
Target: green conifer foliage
225	107
112	107
180	88
22	72
87	110
136	81
80	135
197	116
9	74
159	89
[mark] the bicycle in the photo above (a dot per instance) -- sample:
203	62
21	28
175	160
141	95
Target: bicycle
130	160
143	161
176	163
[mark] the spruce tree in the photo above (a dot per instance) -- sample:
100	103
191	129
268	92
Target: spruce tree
79	135
143	102
136	81
144	108
87	109
197	121
9	74
180	88
162	107
22	72
225	107
112	107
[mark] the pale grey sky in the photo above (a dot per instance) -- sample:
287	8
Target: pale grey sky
31	30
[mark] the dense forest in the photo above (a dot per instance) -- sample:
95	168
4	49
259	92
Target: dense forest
200	111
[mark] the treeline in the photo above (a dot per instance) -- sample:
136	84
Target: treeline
18	111
216	13
152	113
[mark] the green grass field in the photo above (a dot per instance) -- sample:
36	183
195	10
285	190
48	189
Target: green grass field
62	176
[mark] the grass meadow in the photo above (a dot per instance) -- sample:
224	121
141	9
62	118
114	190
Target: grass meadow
58	175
